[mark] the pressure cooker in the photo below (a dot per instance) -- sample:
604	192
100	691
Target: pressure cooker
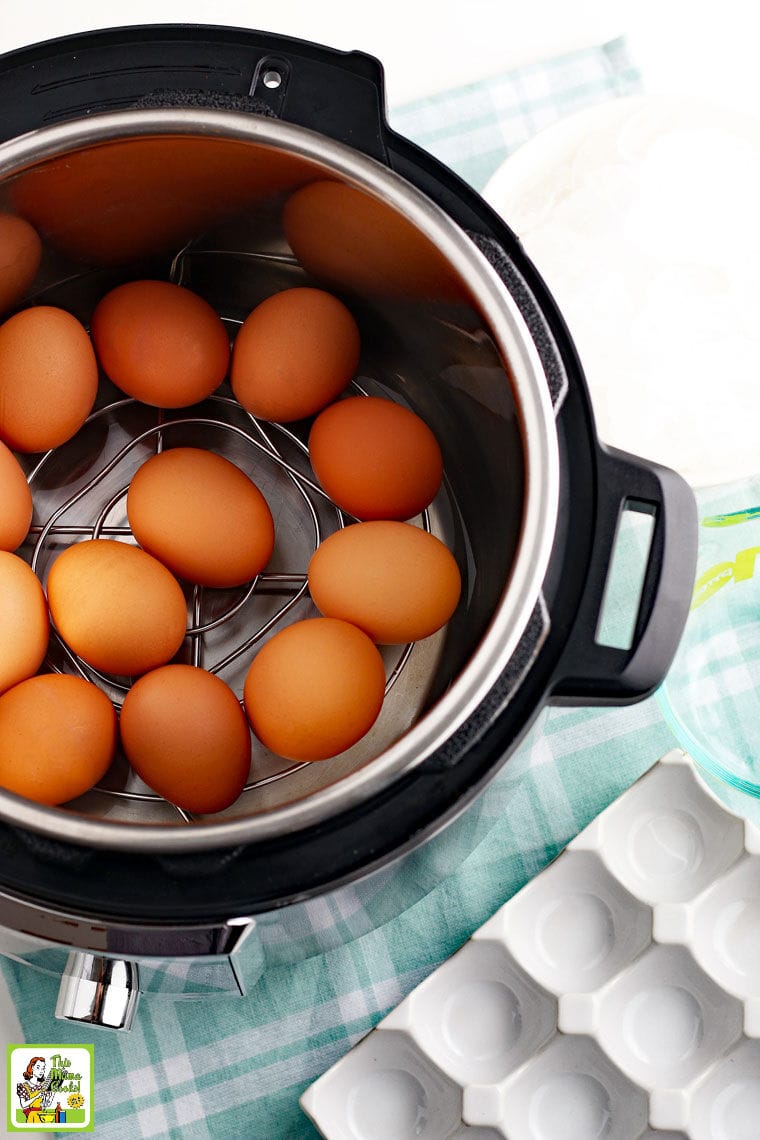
172	152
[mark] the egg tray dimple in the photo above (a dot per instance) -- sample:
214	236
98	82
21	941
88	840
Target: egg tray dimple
617	995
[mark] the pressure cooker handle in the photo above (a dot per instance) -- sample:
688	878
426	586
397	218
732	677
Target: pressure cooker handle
589	671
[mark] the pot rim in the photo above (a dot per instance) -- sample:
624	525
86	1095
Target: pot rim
538	430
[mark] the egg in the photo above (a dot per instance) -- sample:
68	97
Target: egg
394	581
15	501
160	343
48	378
294	354
201	516
350	240
314	689
145	197
20	254
375	458
24	624
185	734
58	737
116	606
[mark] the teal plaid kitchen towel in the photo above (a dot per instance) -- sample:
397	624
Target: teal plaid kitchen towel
474	128
233	1068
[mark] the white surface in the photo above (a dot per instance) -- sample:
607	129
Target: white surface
641	214
705	49
639	944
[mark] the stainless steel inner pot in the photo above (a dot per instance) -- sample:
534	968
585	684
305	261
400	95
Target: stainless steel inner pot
197	197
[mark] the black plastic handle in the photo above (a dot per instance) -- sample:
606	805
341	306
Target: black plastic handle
592	673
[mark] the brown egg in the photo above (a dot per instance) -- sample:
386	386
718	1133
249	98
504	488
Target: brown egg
48	378
138	198
20	254
314	689
24	624
160	343
15	501
294	354
201	516
187	737
117	607
350	240
392	580
375	459
57	738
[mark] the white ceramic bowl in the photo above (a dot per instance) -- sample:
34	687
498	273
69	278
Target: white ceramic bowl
641	214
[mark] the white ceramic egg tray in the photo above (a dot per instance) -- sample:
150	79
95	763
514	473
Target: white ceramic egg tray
616	996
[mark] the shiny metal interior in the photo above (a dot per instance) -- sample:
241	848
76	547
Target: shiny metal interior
463	360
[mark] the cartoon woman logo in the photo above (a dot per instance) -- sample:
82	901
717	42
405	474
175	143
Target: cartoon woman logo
34	1092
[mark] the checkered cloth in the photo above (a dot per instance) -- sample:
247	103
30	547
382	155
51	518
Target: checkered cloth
233	1068
474	128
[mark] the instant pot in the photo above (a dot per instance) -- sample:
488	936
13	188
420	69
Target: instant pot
239	163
